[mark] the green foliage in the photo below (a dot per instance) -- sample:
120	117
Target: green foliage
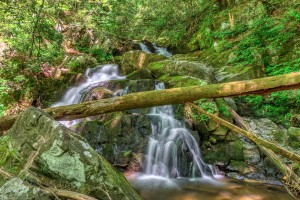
28	28
165	22
100	55
2	109
206	105
278	106
284	68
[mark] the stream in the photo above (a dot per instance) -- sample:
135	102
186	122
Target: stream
164	177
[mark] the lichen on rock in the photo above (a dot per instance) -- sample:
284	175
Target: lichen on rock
61	158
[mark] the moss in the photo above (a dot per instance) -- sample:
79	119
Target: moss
239	166
181	81
223	108
208	105
9	158
224	152
154	66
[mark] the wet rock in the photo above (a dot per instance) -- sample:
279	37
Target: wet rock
62	158
120	138
98	93
133	60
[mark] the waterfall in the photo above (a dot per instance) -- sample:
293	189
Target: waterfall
94	77
156	49
169	137
170	140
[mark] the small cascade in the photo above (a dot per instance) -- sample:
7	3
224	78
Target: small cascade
95	76
156	49
170	138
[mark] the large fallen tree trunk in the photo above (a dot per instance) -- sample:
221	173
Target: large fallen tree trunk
169	96
291	180
259	141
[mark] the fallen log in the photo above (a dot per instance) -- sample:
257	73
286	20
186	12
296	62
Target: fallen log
168	96
291	180
259	141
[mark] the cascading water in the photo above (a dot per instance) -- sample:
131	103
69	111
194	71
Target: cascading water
158	50
169	137
95	77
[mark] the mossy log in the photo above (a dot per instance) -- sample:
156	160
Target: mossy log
259	141
168	96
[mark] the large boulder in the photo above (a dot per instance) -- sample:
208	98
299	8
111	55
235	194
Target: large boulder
237	73
60	157
179	65
133	60
120	138
267	129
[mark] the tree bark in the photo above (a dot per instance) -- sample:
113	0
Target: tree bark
168	96
259	141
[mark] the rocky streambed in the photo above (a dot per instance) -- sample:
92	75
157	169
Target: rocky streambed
38	151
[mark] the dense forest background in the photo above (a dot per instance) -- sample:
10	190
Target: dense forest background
45	43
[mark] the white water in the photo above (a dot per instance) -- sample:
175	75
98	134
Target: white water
170	138
95	77
158	50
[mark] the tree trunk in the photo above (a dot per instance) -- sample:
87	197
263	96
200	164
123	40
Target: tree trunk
168	96
259	141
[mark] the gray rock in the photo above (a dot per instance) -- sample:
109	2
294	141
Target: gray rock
121	138
16	189
65	159
251	153
267	129
182	66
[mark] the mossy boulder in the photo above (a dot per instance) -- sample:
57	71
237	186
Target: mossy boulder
120	138
182	66
133	60
98	93
142	73
224	152
238	73
62	158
